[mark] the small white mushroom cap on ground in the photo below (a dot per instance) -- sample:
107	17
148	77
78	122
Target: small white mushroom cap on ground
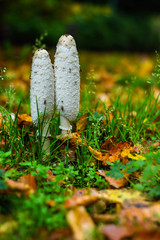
42	89
67	78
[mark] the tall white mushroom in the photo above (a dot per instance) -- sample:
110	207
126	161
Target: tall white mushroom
42	93
67	78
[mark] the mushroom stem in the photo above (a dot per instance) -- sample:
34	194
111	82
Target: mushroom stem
45	137
65	125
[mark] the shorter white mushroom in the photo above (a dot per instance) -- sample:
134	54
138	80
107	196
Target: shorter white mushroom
42	94
67	79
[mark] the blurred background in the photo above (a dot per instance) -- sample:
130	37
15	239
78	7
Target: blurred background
96	24
116	39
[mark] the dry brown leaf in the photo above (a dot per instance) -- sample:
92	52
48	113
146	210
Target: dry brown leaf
25	184
50	203
50	177
59	234
109	143
2	143
82	122
80	200
31	181
114	232
74	139
24	119
17	186
121	150
104	217
81	223
148	235
117	183
1	120
140	213
70	153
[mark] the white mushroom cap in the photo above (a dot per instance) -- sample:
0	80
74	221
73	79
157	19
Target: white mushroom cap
42	85
67	77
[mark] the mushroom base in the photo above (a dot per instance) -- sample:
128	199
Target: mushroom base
65	125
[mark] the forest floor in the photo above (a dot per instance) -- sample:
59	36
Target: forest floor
102	181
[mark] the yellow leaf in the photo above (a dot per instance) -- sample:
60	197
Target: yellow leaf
120	195
81	223
8	227
81	124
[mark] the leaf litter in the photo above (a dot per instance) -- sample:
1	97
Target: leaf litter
118	212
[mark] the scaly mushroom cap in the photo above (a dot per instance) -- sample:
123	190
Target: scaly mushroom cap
42	85
67	77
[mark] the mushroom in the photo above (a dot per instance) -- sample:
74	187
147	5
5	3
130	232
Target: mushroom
67	79
42	94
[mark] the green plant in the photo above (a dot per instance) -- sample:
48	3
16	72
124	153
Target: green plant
149	179
39	42
2	183
126	126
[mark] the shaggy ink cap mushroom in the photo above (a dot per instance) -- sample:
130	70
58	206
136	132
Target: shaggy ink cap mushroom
42	93
42	85
67	78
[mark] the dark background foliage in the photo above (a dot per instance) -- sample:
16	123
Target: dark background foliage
96	25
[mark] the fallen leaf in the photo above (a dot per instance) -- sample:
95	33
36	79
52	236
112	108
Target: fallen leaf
50	203
25	184
23	187
104	217
117	183
148	235
24	120
80	200
109	143
114	232
120	195
140	213
59	234
82	122
74	139
8	227
122	151
81	223
31	181
50	177
1	120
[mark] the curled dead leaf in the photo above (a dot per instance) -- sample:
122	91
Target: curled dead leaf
80	200
81	223
104	217
24	120
19	186
31	181
117	183
25	184
74	139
